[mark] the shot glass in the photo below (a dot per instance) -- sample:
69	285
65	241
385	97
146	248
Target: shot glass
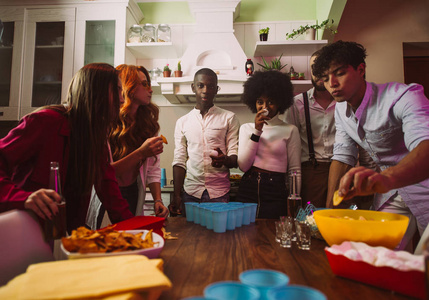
278	231
286	237
303	232
294	229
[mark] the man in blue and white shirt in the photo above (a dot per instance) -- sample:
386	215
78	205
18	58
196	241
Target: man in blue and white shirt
391	122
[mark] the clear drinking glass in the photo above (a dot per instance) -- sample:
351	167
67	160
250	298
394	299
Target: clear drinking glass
303	232
294	201
286	237
278	231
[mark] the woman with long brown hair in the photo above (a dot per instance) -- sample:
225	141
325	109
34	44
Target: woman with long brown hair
75	135
135	143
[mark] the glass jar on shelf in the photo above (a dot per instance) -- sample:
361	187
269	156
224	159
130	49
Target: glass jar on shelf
149	33
164	33
155	73
135	34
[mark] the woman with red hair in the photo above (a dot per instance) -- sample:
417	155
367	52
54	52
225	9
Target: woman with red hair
135	143
135	146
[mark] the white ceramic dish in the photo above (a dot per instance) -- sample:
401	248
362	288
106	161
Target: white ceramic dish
149	252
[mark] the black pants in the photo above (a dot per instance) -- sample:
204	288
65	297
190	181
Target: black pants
130	193
268	190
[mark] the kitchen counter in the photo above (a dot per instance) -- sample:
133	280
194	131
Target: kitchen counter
200	257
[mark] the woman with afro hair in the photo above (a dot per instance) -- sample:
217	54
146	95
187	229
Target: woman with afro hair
269	148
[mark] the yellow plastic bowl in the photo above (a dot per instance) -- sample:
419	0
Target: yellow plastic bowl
379	228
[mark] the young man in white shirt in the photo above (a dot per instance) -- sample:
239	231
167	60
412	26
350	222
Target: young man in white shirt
390	121
206	145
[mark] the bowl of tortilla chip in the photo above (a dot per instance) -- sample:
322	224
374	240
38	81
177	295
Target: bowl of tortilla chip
374	228
86	243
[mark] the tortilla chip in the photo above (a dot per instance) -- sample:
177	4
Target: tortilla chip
337	198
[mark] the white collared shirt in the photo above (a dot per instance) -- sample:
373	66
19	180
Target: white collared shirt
322	126
195	137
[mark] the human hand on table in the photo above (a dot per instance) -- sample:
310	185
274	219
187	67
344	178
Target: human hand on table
361	181
160	210
175	205
43	203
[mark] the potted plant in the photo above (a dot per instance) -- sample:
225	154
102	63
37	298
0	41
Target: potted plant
178	72
275	64
263	33
311	30
167	71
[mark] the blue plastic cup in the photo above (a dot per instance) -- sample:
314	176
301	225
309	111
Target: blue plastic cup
295	292
239	215
235	203
247	213
231	290
198	298
220	216
163	177
209	218
196	209
254	207
189	211
203	220
264	280
230	222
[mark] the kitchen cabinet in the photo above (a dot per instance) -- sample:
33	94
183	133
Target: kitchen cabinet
48	40
45	43
11	47
102	32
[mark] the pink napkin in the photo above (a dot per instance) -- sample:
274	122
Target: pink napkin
379	256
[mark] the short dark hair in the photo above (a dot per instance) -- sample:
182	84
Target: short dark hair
205	71
272	84
341	53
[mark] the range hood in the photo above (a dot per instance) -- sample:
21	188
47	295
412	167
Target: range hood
214	46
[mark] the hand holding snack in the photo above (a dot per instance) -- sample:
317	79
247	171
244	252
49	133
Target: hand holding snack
151	147
361	181
218	160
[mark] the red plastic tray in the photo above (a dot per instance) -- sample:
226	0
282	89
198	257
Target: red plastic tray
142	222
410	283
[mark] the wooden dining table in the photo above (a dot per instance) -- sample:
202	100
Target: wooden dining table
199	257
